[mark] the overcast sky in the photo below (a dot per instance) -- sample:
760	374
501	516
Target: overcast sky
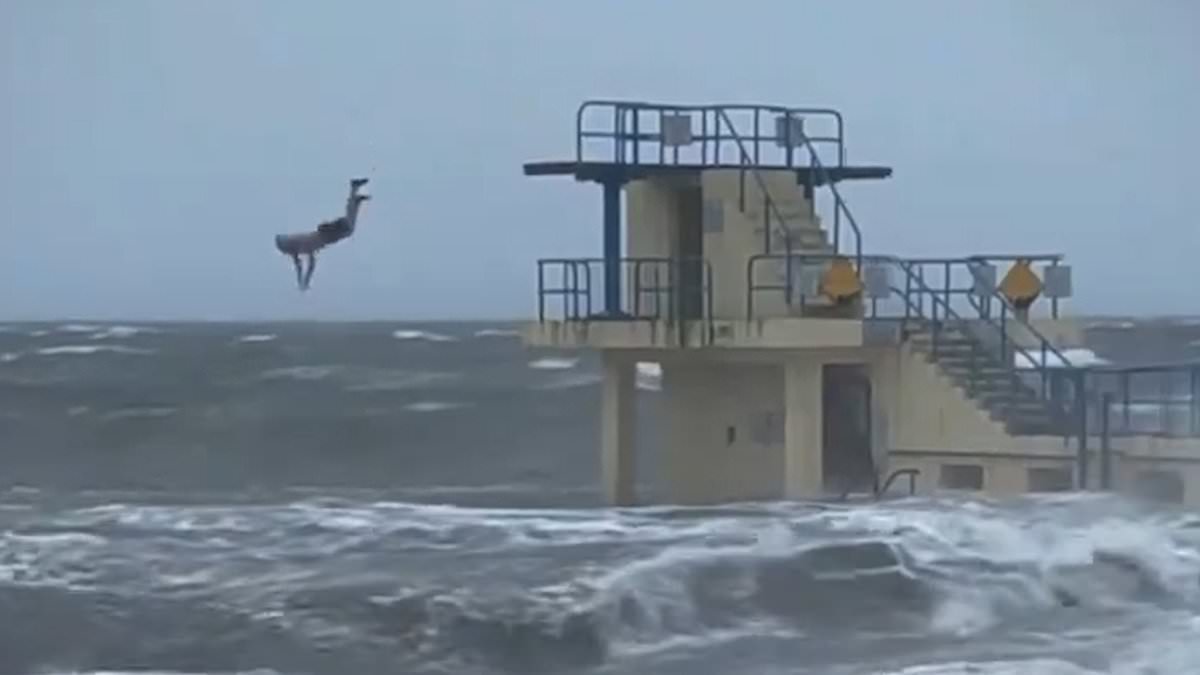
151	149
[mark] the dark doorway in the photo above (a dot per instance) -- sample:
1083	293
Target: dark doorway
689	252
846	429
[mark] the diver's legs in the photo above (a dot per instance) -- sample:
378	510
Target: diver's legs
312	266
299	271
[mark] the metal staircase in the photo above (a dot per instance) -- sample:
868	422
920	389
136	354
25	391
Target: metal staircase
975	350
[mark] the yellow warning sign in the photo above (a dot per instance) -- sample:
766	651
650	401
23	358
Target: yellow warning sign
1021	285
841	280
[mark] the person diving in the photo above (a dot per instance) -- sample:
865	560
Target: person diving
327	233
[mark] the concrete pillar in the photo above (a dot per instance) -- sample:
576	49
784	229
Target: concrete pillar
616	430
803	476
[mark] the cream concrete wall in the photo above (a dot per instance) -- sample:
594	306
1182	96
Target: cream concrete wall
703	460
1126	470
773	334
617	448
651	217
1003	476
925	409
730	238
742	236
803	463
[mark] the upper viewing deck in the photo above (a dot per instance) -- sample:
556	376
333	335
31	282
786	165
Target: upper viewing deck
623	140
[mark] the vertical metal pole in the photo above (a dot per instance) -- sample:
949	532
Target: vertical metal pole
1125	401
612	247
1194	402
1164	407
1105	443
637	139
541	291
1081	481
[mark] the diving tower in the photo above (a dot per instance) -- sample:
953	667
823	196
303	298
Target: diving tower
796	364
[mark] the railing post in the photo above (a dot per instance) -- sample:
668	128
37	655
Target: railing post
541	283
946	281
1105	444
1081	462
1164	417
1194	402
612	247
1125	394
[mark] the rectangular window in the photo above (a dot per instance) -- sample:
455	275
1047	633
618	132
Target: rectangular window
961	477
1159	485
1050	479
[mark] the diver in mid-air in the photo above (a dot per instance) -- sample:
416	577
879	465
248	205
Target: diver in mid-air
327	233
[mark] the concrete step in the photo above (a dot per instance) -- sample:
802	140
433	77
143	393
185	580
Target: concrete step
1035	428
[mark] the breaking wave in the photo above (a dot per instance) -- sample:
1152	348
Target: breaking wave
414	586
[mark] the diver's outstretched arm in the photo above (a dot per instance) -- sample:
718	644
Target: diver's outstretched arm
312	267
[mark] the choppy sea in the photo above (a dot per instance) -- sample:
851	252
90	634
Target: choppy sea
396	498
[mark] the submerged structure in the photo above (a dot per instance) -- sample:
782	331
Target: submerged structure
796	364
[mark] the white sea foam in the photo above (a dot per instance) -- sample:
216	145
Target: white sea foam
496	332
257	337
1013	667
649	376
571	381
1112	324
9	357
78	328
427	336
86	350
304	373
433	406
1078	356
397	380
552	363
150	412
121	332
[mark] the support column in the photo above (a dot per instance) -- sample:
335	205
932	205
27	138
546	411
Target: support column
803	471
616	430
612	247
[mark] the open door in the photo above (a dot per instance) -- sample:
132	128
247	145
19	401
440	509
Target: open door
846	429
689	252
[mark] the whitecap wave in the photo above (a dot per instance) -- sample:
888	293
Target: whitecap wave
400	380
1013	667
87	350
1112	325
427	336
433	406
571	381
257	337
149	412
78	328
554	363
304	373
1078	356
121	332
9	357
497	332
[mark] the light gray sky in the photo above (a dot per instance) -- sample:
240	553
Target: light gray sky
149	150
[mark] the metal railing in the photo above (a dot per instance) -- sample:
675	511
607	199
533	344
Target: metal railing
634	133
656	289
1158	399
998	338
631	132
